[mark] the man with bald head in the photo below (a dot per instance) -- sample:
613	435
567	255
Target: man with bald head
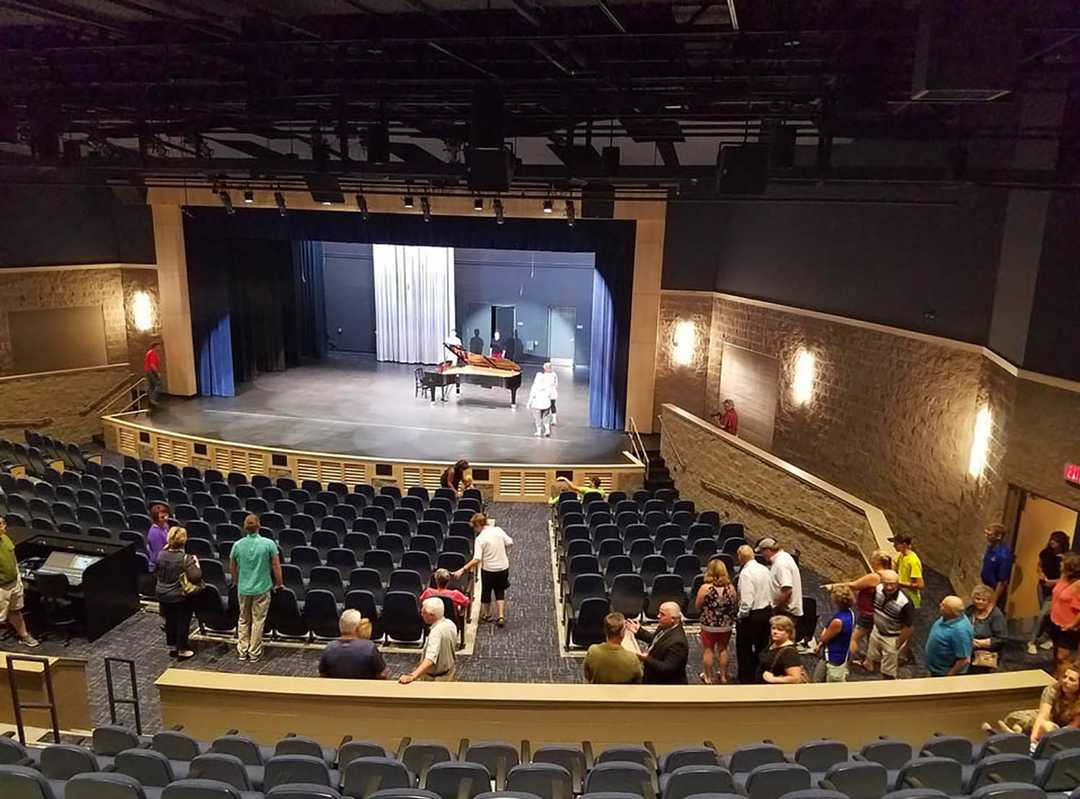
755	610
948	649
664	662
893	618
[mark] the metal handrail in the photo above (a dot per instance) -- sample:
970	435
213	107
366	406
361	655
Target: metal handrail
674	449
18	706
113	393
638	444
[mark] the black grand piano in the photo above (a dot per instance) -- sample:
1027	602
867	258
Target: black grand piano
478	369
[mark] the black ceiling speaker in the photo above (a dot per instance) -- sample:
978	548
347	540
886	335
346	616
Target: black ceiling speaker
598	201
324	189
488	127
490	169
378	144
742	168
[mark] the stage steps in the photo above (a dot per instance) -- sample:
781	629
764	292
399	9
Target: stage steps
658	475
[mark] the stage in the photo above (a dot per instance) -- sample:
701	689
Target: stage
352	405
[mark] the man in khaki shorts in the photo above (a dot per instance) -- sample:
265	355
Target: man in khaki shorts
11	589
893	617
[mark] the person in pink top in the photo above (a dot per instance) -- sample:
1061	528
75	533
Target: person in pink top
1065	611
442	588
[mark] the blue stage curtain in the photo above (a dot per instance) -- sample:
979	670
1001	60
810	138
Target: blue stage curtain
310	325
605	408
612	242
211	325
215	376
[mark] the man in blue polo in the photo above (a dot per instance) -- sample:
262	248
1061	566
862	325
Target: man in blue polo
997	563
948	648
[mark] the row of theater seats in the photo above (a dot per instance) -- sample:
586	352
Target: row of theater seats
38	452
637	559
999	767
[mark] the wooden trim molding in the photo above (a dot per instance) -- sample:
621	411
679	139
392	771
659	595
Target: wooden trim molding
4	270
506	482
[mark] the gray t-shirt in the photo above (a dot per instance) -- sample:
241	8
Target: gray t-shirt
441	647
351	659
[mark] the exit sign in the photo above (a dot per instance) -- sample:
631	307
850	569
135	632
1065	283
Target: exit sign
1072	473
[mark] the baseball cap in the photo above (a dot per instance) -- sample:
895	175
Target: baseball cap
901	538
766	543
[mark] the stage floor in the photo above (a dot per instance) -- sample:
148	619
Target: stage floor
353	405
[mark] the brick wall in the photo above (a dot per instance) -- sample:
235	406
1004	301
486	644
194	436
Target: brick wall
891	420
718	474
62	395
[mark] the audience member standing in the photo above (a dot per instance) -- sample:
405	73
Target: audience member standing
611	663
989	628
353	656
786	580
948	647
457	476
909	569
780	663
439	661
491	553
175	604
755	610
1065	610
728	420
1049	572
158	534
718	605
540	404
152	371
863	588
894	616
256	569
997	563
834	646
11	589
665	660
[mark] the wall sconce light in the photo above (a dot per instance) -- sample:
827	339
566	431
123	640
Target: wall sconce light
980	442
683	340
142	311
802	387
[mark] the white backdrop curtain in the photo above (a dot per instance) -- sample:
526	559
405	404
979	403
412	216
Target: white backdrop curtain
414	302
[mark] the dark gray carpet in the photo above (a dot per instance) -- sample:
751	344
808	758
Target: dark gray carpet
526	650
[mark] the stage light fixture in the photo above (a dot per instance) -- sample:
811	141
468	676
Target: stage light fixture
226	200
478	204
498	206
425	208
407	201
279	201
570	213
361	203
549	206
249	196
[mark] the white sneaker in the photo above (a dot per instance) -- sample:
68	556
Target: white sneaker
537	434
1031	650
1048	644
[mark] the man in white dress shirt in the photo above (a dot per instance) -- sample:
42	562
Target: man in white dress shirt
755	609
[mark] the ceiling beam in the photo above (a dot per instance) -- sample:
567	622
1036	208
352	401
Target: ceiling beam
57	12
157	14
611	16
438	48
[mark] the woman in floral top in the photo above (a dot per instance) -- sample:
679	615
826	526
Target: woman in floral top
718	604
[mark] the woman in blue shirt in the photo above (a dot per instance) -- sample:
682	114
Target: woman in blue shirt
835	639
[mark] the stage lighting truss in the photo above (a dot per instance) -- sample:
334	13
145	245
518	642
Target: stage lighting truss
498	206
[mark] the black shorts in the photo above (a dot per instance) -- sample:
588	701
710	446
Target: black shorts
1064	639
493	583
553	406
866	622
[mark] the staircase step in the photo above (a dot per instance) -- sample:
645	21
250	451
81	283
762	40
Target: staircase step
653	485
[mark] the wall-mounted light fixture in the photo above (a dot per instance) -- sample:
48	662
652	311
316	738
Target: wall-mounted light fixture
980	442
142	311
683	341
802	386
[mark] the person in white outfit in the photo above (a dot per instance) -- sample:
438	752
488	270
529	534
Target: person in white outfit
540	396
554	390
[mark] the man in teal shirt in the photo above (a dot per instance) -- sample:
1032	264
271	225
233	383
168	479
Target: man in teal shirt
256	569
948	649
11	589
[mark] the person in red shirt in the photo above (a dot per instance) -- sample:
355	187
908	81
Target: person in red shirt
728	421
442	583
152	370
